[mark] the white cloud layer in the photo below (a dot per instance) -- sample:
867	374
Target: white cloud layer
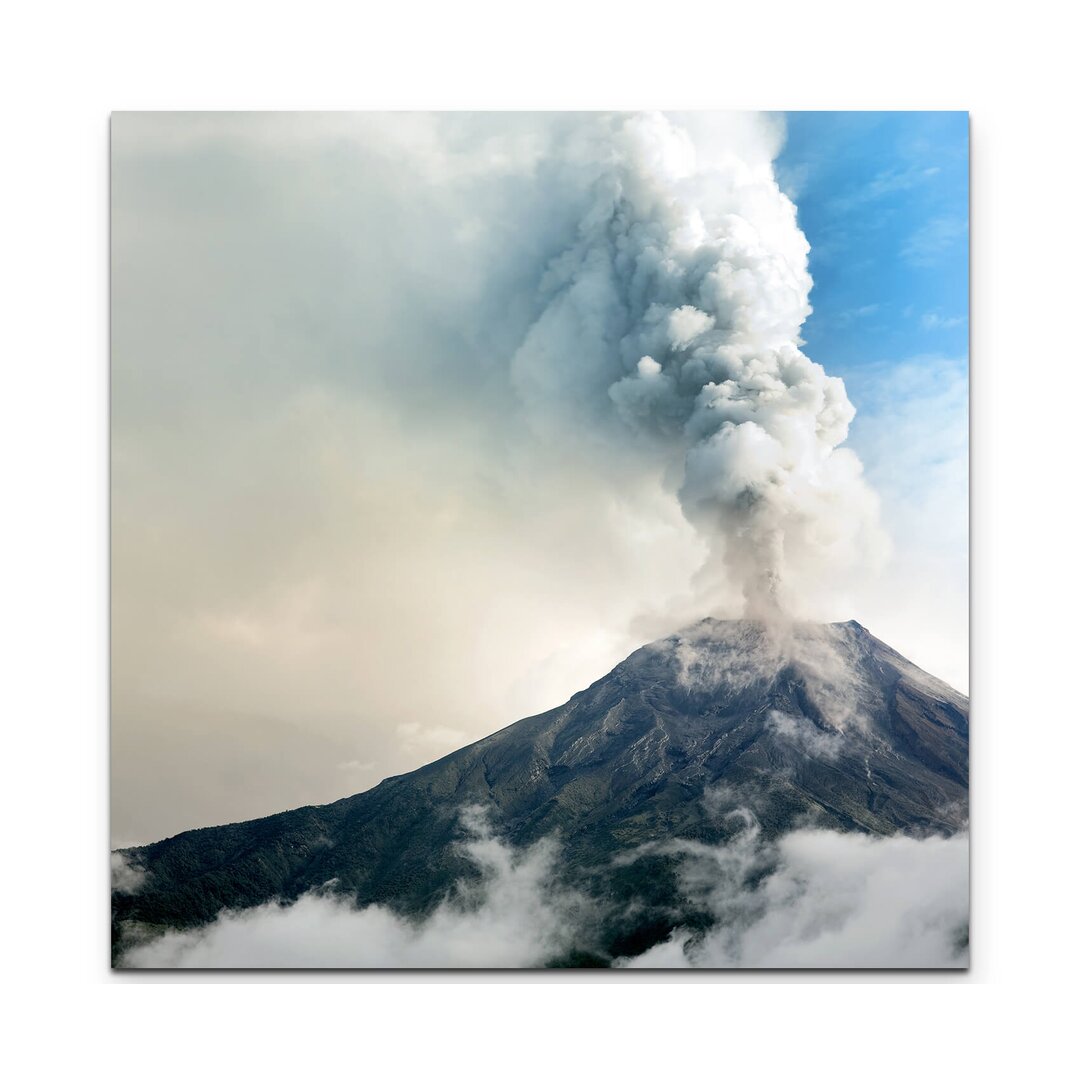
829	900
516	916
814	899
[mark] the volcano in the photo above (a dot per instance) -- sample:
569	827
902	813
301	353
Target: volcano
796	726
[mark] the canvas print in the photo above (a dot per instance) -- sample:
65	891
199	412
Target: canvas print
539	540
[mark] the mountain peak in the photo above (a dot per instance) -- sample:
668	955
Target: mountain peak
791	724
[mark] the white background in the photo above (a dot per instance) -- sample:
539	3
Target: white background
66	66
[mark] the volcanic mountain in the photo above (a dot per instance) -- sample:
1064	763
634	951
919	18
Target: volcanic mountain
793	726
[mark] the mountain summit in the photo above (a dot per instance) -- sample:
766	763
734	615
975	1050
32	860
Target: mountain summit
792	726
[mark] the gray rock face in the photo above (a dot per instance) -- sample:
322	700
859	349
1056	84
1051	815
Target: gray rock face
800	725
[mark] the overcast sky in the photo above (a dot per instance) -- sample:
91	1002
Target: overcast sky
342	546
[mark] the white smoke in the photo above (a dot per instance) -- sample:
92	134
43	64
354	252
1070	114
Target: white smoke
679	304
733	655
804	734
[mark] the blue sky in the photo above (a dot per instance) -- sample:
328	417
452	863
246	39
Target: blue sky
883	200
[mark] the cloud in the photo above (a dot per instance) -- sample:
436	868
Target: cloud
356	765
517	915
818	898
845	318
932	240
814	898
934	320
885	183
803	733
922	477
430	737
128	876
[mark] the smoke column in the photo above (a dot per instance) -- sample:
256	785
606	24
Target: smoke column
676	310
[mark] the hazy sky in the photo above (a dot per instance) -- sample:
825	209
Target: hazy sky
344	545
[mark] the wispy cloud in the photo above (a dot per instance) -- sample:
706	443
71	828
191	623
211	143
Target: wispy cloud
932	240
417	736
934	320
127	875
846	318
886	183
911	432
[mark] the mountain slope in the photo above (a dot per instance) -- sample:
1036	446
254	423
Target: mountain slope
811	724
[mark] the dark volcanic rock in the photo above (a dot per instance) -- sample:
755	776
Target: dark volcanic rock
811	724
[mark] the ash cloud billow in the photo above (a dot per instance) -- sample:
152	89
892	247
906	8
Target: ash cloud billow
678	305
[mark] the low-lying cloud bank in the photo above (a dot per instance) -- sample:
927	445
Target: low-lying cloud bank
827	899
815	898
516	916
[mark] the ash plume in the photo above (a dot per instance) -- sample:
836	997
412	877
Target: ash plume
678	306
